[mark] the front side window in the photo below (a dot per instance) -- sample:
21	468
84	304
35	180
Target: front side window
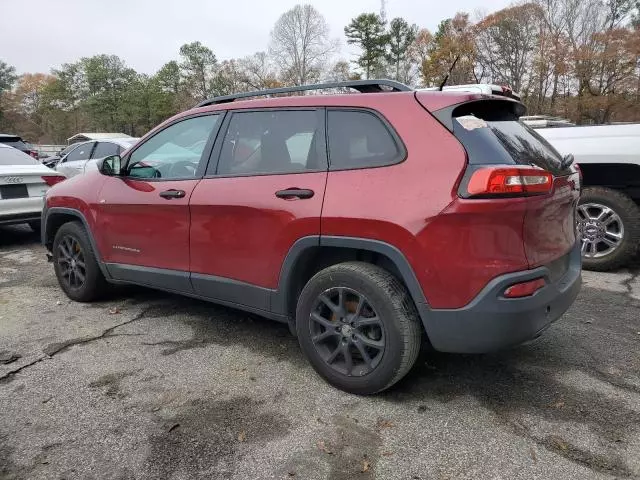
82	152
266	142
105	149
175	152
359	139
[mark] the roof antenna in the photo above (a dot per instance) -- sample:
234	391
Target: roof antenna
446	77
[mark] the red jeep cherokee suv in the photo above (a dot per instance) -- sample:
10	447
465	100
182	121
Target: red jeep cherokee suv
366	221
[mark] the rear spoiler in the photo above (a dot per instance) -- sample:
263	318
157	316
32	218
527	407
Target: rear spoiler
483	106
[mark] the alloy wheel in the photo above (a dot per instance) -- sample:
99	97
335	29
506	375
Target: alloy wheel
601	230
347	332
72	262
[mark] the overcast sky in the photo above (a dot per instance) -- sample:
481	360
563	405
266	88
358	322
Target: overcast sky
38	35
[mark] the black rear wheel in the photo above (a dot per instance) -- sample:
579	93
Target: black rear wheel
75	264
358	327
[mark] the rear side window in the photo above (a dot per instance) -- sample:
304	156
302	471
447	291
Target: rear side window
359	139
105	149
273	141
492	135
82	152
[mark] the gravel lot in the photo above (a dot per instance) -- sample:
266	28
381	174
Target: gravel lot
149	385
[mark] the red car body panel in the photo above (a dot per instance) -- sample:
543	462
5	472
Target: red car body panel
550	225
242	231
136	226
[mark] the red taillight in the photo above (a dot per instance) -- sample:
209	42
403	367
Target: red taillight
524	289
34	154
51	180
509	181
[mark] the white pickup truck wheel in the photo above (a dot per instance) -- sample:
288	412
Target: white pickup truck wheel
609	226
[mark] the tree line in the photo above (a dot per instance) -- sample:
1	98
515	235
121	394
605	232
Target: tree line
579	59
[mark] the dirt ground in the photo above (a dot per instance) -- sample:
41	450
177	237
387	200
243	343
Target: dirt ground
149	385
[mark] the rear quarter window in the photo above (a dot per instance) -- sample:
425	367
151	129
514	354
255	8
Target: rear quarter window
360	139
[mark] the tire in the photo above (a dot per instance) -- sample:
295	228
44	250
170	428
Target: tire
35	226
388	316
627	212
73	238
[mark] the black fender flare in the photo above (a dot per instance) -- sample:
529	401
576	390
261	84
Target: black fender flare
47	213
280	297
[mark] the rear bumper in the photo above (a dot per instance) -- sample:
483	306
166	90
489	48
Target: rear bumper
20	210
491	322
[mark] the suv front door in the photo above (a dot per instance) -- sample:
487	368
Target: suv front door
143	216
264	193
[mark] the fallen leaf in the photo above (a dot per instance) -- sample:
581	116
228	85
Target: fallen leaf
365	466
291	474
242	436
48	399
534	457
173	427
386	454
323	448
385	424
114	311
422	408
559	404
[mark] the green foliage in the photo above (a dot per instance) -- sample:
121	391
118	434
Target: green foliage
401	36
368	32
198	64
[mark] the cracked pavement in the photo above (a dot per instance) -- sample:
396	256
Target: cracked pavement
150	385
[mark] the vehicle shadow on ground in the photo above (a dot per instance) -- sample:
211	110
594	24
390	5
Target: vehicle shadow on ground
18	236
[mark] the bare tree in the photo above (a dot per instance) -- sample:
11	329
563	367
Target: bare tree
301	44
258	71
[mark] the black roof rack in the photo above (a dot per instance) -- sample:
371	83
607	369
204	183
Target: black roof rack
362	86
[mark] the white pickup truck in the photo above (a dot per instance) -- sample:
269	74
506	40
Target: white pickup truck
609	212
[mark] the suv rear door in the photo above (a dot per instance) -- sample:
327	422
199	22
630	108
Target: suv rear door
264	192
143	215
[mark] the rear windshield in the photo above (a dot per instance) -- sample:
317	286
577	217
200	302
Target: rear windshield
11	156
495	136
15	143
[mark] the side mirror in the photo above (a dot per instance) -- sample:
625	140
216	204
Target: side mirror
110	166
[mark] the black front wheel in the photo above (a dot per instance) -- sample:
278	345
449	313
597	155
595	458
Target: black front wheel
75	264
358	327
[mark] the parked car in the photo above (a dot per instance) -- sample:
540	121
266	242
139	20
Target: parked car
609	210
367	222
16	142
52	161
23	183
85	154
